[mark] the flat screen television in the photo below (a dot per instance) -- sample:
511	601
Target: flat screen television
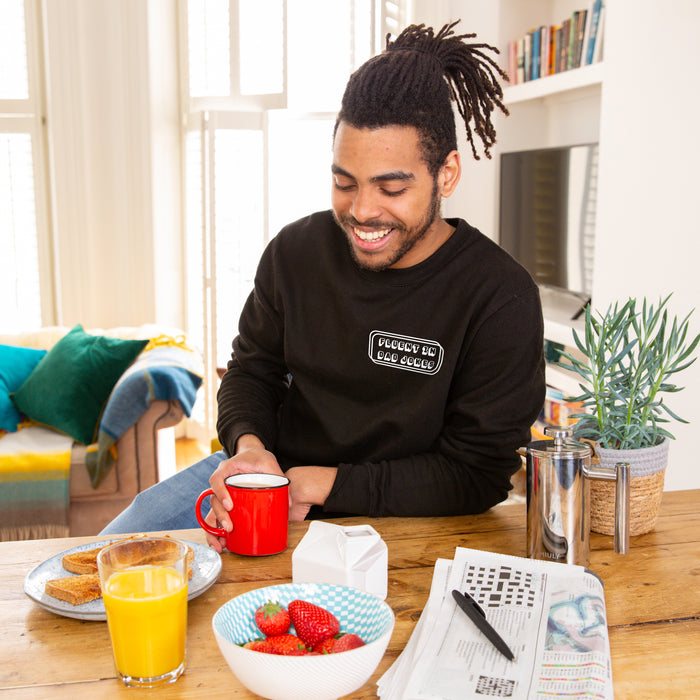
547	218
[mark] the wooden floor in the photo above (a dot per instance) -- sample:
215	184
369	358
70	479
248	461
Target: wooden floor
188	451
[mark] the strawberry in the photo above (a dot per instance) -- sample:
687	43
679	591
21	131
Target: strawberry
258	645
286	645
345	642
325	646
272	619
312	622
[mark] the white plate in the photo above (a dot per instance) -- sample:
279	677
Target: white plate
205	571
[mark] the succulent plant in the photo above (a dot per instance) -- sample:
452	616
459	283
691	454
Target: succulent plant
630	357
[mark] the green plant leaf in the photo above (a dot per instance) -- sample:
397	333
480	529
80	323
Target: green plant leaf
629	355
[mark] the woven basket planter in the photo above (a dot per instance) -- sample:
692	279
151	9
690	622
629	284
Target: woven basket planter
647	471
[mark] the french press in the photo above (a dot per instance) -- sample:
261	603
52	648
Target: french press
558	492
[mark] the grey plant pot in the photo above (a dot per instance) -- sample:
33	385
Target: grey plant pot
647	471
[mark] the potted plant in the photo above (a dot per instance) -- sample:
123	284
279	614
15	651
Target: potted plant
628	361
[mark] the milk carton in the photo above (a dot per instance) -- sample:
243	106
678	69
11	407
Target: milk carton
352	555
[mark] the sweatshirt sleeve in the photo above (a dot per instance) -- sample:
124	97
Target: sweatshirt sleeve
496	395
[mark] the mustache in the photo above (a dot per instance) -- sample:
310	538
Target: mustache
370	223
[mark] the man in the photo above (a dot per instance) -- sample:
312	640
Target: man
388	361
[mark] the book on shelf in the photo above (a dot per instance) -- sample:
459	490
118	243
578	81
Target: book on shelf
581	20
587	33
594	34
536	53
545	47
599	44
527	55
557	410
548	49
513	61
564	45
555	49
571	54
521	61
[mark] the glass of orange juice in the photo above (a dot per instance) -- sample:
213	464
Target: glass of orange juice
144	587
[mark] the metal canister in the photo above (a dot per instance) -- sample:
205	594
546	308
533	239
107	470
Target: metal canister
557	498
558	492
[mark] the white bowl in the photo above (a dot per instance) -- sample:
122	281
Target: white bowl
320	677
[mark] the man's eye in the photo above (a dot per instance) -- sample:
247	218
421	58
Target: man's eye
342	188
394	193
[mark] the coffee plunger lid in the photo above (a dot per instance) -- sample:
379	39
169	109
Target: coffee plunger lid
562	443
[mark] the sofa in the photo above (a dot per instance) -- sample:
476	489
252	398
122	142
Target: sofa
64	474
140	452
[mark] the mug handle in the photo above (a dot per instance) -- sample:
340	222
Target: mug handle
218	531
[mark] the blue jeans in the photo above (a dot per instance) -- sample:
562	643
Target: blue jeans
169	504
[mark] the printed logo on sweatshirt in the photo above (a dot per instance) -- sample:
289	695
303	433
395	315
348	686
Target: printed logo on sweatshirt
405	352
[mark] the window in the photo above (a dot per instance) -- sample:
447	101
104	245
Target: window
262	84
25	267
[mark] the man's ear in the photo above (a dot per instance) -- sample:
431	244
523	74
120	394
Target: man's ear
449	174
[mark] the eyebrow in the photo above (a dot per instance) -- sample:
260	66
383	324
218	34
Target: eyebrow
401	175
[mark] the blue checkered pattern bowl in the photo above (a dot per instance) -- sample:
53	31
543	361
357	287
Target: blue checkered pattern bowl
305	677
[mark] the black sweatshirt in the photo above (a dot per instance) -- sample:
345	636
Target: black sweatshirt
419	384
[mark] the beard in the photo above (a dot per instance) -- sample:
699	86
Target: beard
408	237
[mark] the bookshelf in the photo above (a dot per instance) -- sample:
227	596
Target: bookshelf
561	331
553	110
557	84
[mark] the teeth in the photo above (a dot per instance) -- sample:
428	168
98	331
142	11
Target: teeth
371	235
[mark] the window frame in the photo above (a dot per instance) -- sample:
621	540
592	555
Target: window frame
28	116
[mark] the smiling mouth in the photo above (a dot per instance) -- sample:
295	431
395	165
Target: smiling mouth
371	236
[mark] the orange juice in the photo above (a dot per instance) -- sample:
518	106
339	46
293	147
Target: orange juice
147	616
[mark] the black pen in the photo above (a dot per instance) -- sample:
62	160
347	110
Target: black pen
478	617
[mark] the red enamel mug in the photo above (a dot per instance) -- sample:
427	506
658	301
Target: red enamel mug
259	515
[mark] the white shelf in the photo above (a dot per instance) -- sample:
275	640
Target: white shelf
559	331
556	84
560	379
562	314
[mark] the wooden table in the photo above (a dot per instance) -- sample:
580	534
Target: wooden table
652	595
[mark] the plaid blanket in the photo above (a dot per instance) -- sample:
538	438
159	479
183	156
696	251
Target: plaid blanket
34	483
167	369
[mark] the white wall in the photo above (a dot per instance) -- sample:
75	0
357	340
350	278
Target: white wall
648	238
479	181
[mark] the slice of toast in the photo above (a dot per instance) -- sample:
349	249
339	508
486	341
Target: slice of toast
142	553
154	554
84	562
75	590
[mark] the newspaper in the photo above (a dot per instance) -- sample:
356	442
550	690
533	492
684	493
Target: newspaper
551	615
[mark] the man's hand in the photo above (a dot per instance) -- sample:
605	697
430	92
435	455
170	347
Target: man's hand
251	458
309	486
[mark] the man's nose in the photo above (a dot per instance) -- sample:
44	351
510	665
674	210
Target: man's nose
365	206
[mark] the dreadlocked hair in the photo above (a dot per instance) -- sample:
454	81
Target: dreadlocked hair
413	83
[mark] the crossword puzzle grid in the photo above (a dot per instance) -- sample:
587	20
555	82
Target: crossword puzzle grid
495	687
502	586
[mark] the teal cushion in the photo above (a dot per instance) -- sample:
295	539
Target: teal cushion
16	364
70	386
